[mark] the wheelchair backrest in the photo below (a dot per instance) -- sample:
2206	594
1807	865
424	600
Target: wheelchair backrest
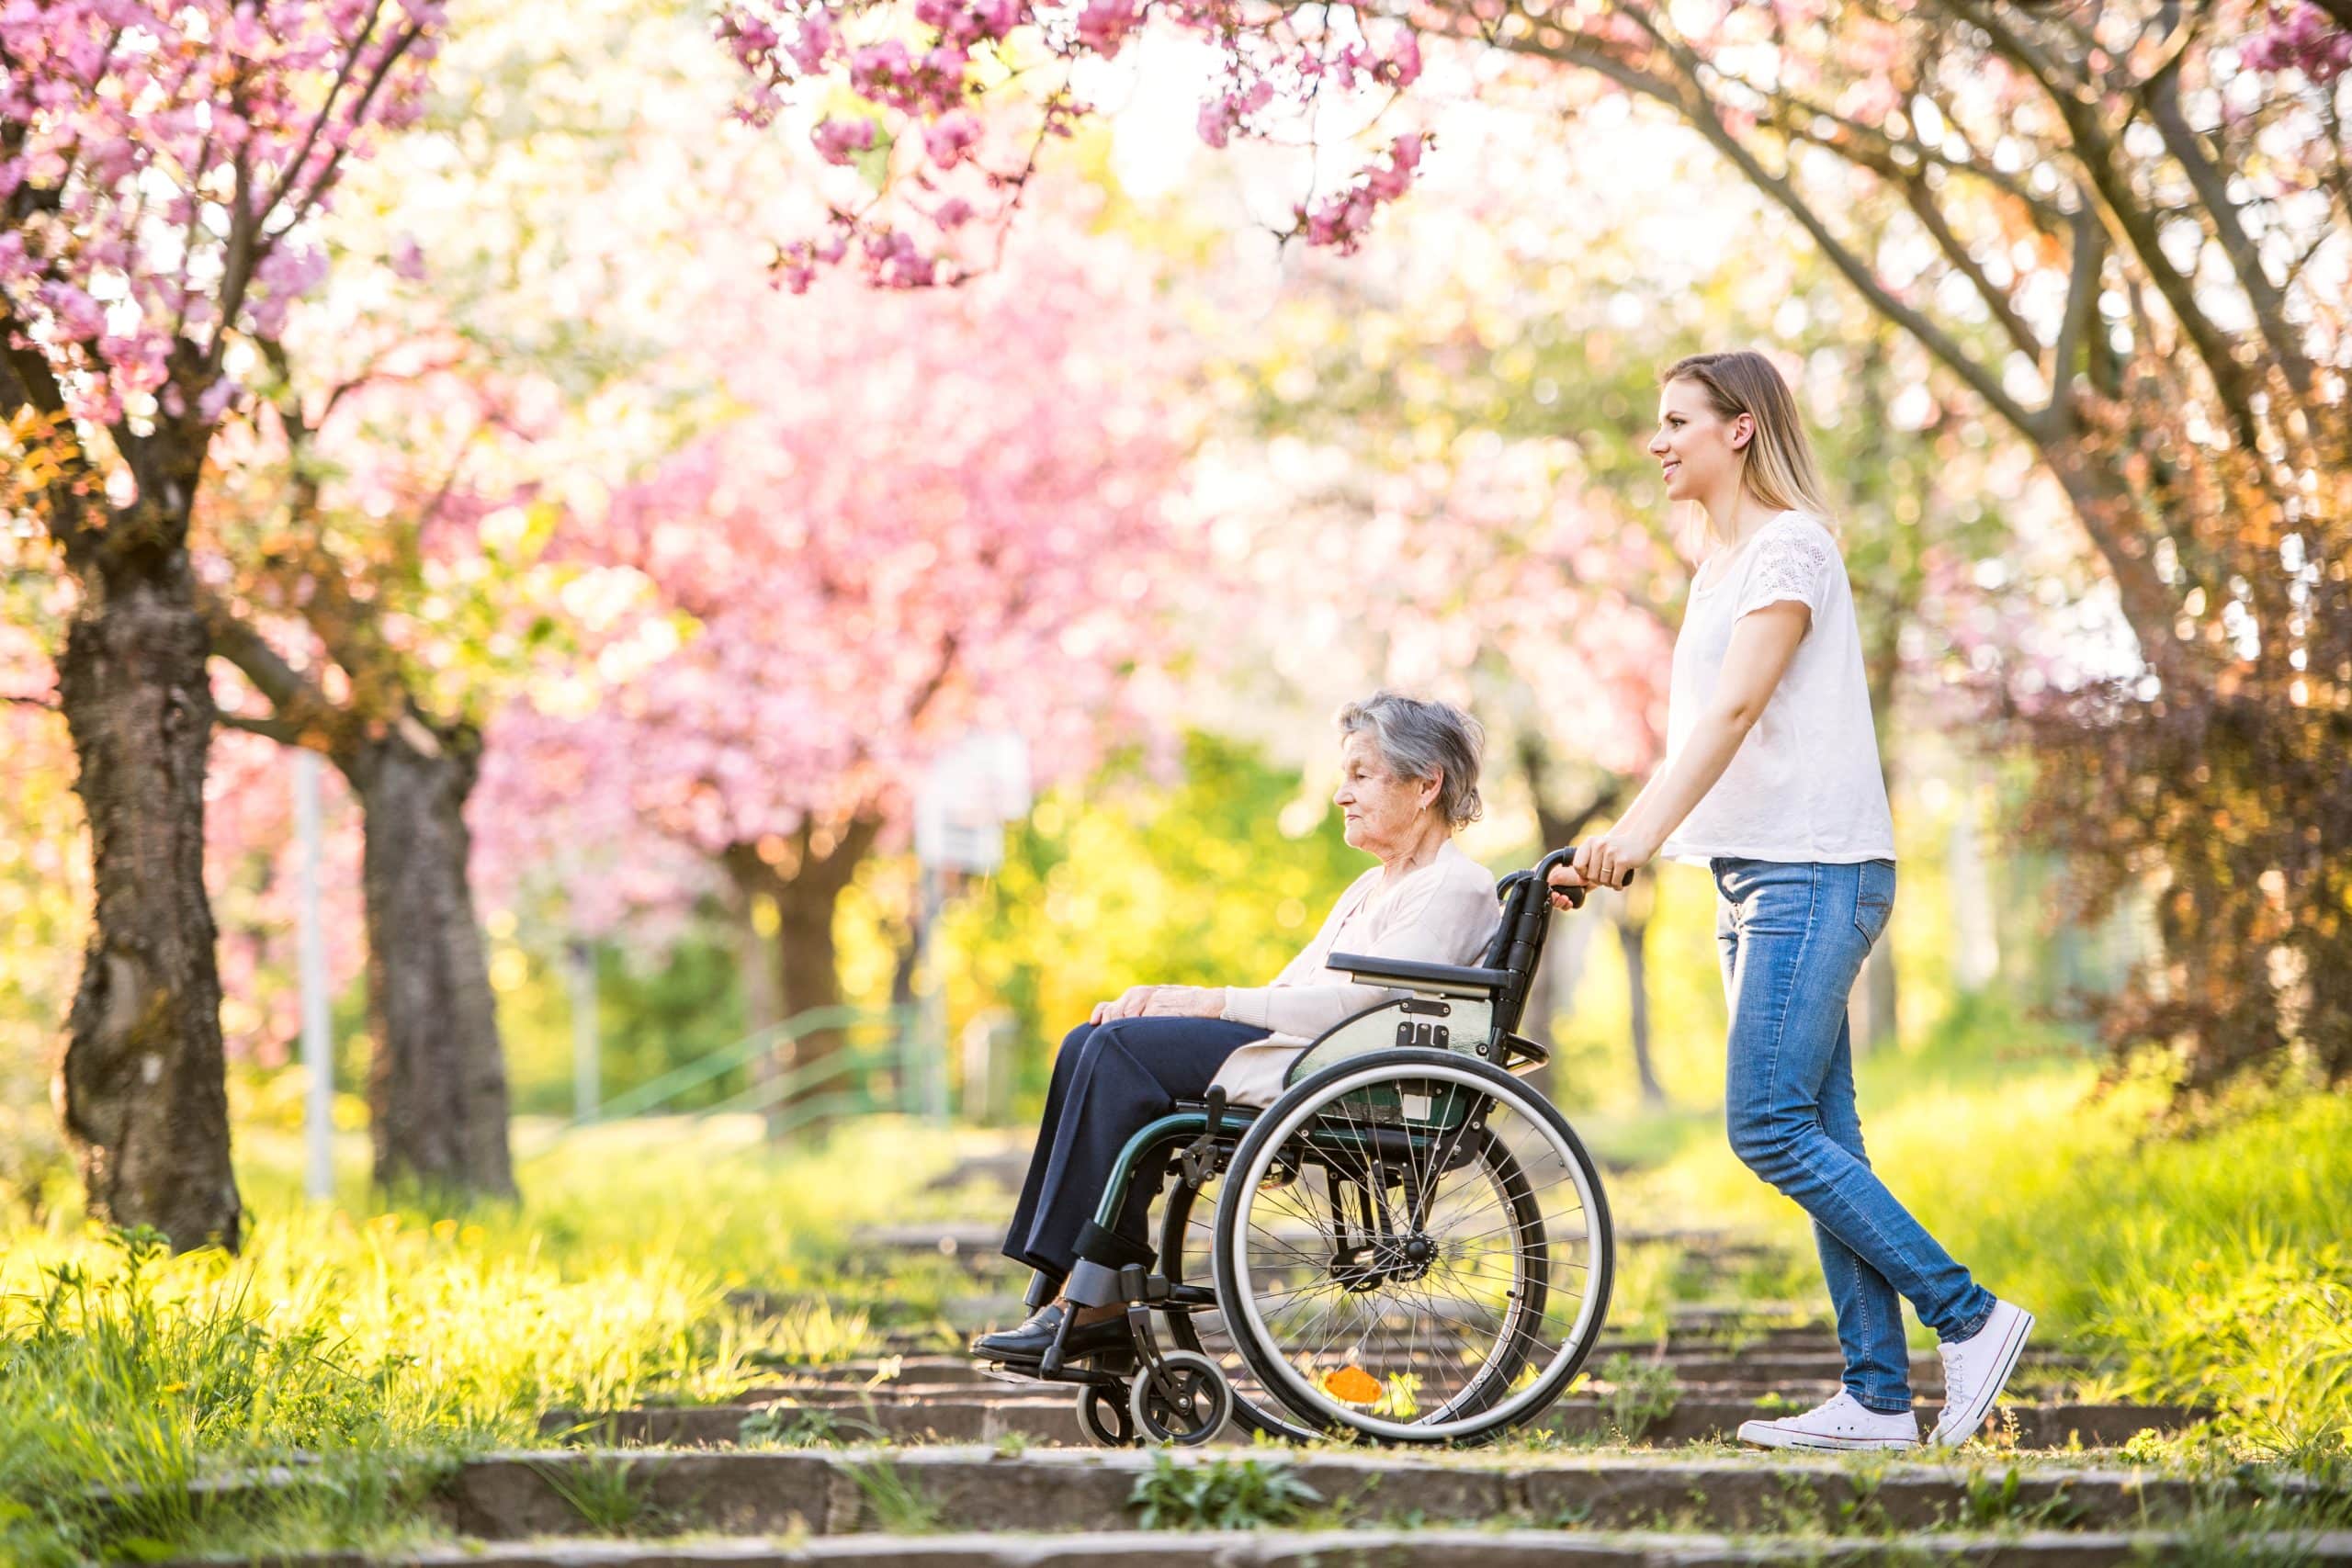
1518	942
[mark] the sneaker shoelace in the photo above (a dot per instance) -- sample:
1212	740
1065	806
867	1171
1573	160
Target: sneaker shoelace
1950	1355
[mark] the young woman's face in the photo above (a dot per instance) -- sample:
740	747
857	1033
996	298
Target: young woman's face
1382	812
1696	448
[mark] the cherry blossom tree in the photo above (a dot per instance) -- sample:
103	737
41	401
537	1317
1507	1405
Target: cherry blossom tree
366	589
372	551
931	513
2122	228
162	173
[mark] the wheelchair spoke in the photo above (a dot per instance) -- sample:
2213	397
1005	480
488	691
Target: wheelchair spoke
1433	1229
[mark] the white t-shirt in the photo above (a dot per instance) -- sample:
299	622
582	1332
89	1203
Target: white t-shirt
1804	784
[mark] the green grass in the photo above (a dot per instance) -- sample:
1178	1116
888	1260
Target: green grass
357	1356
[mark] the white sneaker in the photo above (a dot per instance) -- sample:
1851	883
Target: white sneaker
1975	1368
1844	1423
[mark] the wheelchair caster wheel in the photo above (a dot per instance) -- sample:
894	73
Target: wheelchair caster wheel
1202	1405
1106	1417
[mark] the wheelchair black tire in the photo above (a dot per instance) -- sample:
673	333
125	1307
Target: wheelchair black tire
1480	1414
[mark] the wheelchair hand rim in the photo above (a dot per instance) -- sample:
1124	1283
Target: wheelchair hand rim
1275	1128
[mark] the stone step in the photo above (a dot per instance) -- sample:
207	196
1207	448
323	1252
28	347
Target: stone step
1780	1371
1042	1416
978	1242
520	1496
1002	1167
1322	1548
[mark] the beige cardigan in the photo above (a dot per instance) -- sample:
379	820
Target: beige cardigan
1440	913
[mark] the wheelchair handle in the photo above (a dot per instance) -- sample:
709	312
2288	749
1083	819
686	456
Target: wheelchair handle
1563	856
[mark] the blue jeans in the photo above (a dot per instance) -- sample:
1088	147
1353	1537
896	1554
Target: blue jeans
1793	938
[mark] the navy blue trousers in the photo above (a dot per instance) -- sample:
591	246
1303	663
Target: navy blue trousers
1110	1082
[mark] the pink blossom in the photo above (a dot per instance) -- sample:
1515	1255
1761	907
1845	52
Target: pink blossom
998	18
838	140
2302	38
1223	114
136	98
876	67
78	315
948	139
1402	65
816	43
1103	25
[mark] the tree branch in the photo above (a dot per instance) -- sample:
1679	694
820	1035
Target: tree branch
2094	151
1700	112
2081	320
296	701
2161	93
276	729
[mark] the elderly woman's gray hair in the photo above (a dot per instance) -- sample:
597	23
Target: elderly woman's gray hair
1424	740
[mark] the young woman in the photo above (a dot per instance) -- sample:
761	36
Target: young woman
1772	782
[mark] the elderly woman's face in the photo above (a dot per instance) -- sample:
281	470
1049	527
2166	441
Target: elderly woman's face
1382	812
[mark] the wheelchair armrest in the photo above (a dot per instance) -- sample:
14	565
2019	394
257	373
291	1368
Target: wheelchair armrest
1443	979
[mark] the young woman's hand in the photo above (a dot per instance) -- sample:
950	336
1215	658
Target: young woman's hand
1602	862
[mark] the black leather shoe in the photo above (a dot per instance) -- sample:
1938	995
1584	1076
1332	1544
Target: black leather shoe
1014	1342
1029	1343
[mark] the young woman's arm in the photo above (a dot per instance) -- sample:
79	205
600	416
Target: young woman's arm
1762	643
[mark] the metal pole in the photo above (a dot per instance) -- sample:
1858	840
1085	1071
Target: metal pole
318	1045
933	1027
587	1092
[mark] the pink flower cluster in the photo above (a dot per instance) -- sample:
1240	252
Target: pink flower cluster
967	22
2300	38
889	75
1227	113
838	140
149	133
1342	220
927	101
891	257
1104	26
1399	66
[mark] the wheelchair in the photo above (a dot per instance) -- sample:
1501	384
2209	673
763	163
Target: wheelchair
1410	1246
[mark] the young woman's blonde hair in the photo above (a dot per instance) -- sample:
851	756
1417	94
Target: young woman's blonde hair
1779	466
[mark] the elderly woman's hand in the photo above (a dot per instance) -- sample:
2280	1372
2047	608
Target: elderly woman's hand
1129	1003
1185	1002
1161	1001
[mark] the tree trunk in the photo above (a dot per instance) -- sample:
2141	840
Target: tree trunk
438	1086
140	1086
809	967
1631	915
804	875
1874	1021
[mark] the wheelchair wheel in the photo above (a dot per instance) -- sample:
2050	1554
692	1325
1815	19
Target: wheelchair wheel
1106	1416
1202	1402
1439	1264
1187	1234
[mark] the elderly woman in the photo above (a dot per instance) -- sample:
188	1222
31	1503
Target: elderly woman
1408	778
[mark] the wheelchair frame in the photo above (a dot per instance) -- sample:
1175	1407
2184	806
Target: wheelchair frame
1469	1010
